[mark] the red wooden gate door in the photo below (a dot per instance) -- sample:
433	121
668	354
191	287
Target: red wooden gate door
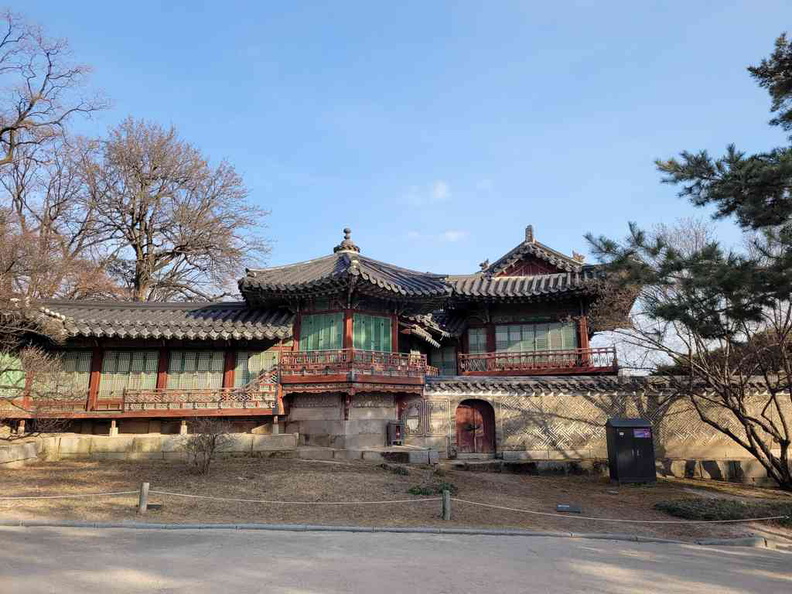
475	427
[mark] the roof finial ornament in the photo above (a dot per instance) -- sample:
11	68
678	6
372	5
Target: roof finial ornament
529	236
347	245
484	265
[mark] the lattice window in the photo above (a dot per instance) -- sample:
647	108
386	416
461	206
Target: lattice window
372	333
444	359
321	332
133	370
12	377
477	340
196	370
535	337
72	379
251	364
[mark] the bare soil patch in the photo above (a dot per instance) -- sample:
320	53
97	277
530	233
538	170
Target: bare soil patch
316	481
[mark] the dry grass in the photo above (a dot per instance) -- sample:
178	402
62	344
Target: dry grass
297	480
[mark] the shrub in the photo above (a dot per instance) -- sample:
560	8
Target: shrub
207	437
433	489
727	509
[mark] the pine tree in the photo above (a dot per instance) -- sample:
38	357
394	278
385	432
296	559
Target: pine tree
722	317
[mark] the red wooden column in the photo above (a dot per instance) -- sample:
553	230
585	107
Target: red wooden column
26	390
491	344
228	368
583	341
97	357
395	334
162	368
349	340
491	337
296	332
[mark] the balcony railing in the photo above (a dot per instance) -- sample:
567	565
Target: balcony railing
264	396
311	364
593	360
261	396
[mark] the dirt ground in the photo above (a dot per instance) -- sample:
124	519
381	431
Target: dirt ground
299	480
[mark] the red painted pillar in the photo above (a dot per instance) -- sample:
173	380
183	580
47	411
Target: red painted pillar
162	368
97	357
491	345
395	334
583	341
296	333
348	329
228	369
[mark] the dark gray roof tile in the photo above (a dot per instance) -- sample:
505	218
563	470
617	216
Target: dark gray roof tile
196	321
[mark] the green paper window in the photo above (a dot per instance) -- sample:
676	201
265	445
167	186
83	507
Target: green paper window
12	377
72	379
535	337
477	340
444	359
196	370
321	332
372	333
251	364
128	370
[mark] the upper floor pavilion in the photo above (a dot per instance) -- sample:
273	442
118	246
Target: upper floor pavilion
342	322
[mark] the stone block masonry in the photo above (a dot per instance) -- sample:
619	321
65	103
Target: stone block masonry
135	447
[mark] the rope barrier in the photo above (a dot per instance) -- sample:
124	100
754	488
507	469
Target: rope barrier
69	496
395	501
577	517
295	502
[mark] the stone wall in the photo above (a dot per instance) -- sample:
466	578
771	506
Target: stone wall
565	420
319	419
136	447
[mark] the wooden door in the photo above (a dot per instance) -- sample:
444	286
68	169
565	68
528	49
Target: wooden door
475	427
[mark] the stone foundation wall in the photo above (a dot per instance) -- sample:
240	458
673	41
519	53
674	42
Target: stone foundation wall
320	419
136	447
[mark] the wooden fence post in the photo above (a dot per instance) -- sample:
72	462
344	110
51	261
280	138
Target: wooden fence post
446	504
143	499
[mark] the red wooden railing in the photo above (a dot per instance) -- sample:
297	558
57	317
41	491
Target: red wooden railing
260	396
593	360
343	361
263	396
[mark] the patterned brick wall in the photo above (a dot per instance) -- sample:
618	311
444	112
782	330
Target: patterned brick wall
570	423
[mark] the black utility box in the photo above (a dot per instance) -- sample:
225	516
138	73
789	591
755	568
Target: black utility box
395	433
631	456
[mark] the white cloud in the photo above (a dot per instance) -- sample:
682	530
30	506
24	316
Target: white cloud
441	191
448	236
453	235
433	193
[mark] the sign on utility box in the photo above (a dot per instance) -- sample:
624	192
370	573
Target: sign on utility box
631	457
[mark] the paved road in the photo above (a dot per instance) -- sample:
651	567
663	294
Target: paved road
85	561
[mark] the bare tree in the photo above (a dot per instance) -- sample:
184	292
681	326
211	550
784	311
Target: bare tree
34	385
180	228
41	87
208	436
51	246
735	370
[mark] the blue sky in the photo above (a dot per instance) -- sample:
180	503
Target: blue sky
436	130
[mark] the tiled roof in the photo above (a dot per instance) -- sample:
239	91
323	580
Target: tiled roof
531	247
340	271
556	384
192	321
482	285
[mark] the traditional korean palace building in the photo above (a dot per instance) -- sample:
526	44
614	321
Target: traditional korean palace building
336	347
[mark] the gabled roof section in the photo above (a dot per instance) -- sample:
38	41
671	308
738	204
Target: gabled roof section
532	249
482	286
345	269
179	321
